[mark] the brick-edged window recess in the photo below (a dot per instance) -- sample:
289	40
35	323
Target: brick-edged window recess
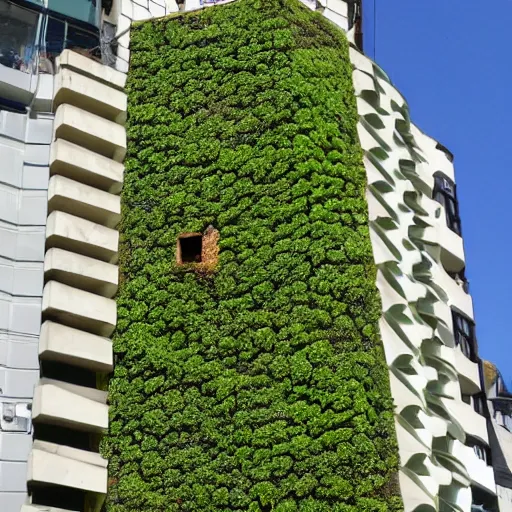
202	249
190	248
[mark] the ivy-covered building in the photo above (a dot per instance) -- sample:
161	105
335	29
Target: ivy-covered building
231	270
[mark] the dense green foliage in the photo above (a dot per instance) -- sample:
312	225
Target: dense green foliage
260	385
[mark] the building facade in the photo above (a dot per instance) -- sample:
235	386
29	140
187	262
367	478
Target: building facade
63	142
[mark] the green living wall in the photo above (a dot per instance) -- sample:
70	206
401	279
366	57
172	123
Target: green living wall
259	383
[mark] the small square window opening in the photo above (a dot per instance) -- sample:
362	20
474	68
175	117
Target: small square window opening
190	248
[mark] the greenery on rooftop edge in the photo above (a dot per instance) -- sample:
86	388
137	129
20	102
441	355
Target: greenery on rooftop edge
262	385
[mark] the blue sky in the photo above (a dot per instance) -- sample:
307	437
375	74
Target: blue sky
451	60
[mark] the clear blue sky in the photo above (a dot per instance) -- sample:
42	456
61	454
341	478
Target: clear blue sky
451	59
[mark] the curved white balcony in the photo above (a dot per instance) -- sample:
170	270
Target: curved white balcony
413	495
473	423
452	248
43	508
479	472
469	374
457	297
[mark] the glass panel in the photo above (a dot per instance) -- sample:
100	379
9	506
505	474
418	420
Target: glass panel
465	347
478	405
448	188
439	197
450	204
83	10
18	29
77	38
55	34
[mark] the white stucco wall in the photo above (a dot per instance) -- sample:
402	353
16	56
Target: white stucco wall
413	249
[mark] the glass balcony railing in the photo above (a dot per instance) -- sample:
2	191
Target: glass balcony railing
31	40
18	34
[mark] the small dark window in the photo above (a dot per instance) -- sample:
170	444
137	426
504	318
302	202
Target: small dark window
483	501
481	450
445	194
18	30
460	279
464	333
466	399
78	38
479	404
190	248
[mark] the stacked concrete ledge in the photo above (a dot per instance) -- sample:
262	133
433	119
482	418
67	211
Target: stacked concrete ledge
78	312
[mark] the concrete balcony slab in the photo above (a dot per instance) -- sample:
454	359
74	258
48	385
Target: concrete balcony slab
90	95
57	406
54	464
80	164
81	64
83	201
81	272
90	131
79	309
74	234
65	344
90	393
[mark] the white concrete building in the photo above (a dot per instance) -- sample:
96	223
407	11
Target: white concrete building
499	400
62	143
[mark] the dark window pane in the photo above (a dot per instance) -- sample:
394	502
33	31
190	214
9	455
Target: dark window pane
55	34
464	335
439	197
444	193
450	205
466	348
18	28
478	404
78	38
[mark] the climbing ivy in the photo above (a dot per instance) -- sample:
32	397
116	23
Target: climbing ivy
259	384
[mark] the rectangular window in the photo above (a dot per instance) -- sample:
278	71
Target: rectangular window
18	31
78	38
445	194
61	35
55	37
481	450
464	333
479	404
